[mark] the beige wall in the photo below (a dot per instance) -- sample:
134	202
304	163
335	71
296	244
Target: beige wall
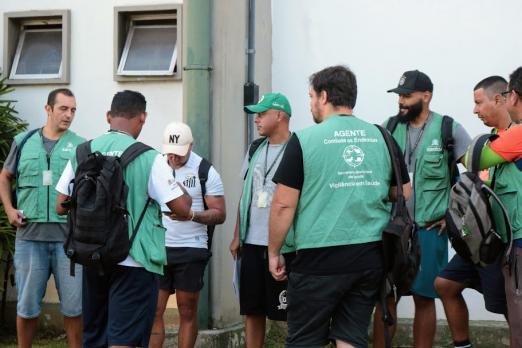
91	80
229	129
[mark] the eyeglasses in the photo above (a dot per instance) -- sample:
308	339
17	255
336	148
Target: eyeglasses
506	94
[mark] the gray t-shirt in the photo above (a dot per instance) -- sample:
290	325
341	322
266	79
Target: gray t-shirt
264	187
37	231
462	141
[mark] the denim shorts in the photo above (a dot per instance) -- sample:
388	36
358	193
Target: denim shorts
34	262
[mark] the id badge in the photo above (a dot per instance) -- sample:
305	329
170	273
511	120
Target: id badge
262	199
47	176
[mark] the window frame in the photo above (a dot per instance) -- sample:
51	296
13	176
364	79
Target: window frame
126	49
15	26
16	60
126	17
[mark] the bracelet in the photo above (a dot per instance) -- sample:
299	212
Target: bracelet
193	215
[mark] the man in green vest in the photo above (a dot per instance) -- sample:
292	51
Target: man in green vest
35	162
505	153
459	274
119	305
334	184
260	296
419	134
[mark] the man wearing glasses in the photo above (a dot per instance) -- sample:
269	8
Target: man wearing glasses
505	152
459	274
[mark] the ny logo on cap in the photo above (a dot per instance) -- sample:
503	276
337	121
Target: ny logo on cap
261	99
402	80
174	138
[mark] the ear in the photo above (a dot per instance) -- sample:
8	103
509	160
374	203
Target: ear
323	97
143	117
108	117
498	99
48	109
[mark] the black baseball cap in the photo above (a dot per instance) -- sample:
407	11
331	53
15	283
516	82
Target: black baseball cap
413	81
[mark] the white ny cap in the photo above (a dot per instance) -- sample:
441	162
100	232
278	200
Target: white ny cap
177	138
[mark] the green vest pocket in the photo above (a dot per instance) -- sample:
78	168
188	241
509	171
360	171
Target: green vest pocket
431	167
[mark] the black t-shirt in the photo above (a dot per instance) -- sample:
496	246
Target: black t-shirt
336	259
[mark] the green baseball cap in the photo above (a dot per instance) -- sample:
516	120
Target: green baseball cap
268	101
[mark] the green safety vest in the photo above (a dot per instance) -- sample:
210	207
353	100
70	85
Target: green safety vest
508	187
148	247
347	174
37	201
431	177
246	202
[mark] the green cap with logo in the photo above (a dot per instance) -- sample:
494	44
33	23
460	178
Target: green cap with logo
268	101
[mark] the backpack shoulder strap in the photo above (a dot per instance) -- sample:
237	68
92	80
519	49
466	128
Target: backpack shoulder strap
204	168
392	124
507	223
254	146
82	151
401	201
132	152
447	133
476	150
448	144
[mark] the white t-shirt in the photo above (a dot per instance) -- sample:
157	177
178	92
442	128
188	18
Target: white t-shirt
161	187
188	233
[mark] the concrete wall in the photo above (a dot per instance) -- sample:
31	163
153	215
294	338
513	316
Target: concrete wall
92	71
91	78
457	43
92	82
229	130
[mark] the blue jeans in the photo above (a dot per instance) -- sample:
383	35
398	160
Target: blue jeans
34	262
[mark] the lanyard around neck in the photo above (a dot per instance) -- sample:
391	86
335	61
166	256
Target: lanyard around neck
265	171
411	150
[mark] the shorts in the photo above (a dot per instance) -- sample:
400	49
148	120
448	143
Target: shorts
119	306
487	280
331	307
259	292
34	263
185	269
434	257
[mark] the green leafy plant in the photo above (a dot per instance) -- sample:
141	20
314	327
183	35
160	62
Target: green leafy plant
10	125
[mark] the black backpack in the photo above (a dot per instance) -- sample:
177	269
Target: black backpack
401	253
203	170
469	218
448	142
98	217
399	238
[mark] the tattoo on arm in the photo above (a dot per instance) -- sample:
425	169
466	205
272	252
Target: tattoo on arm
208	217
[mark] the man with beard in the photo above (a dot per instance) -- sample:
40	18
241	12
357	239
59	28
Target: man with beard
35	162
459	274
419	135
260	296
